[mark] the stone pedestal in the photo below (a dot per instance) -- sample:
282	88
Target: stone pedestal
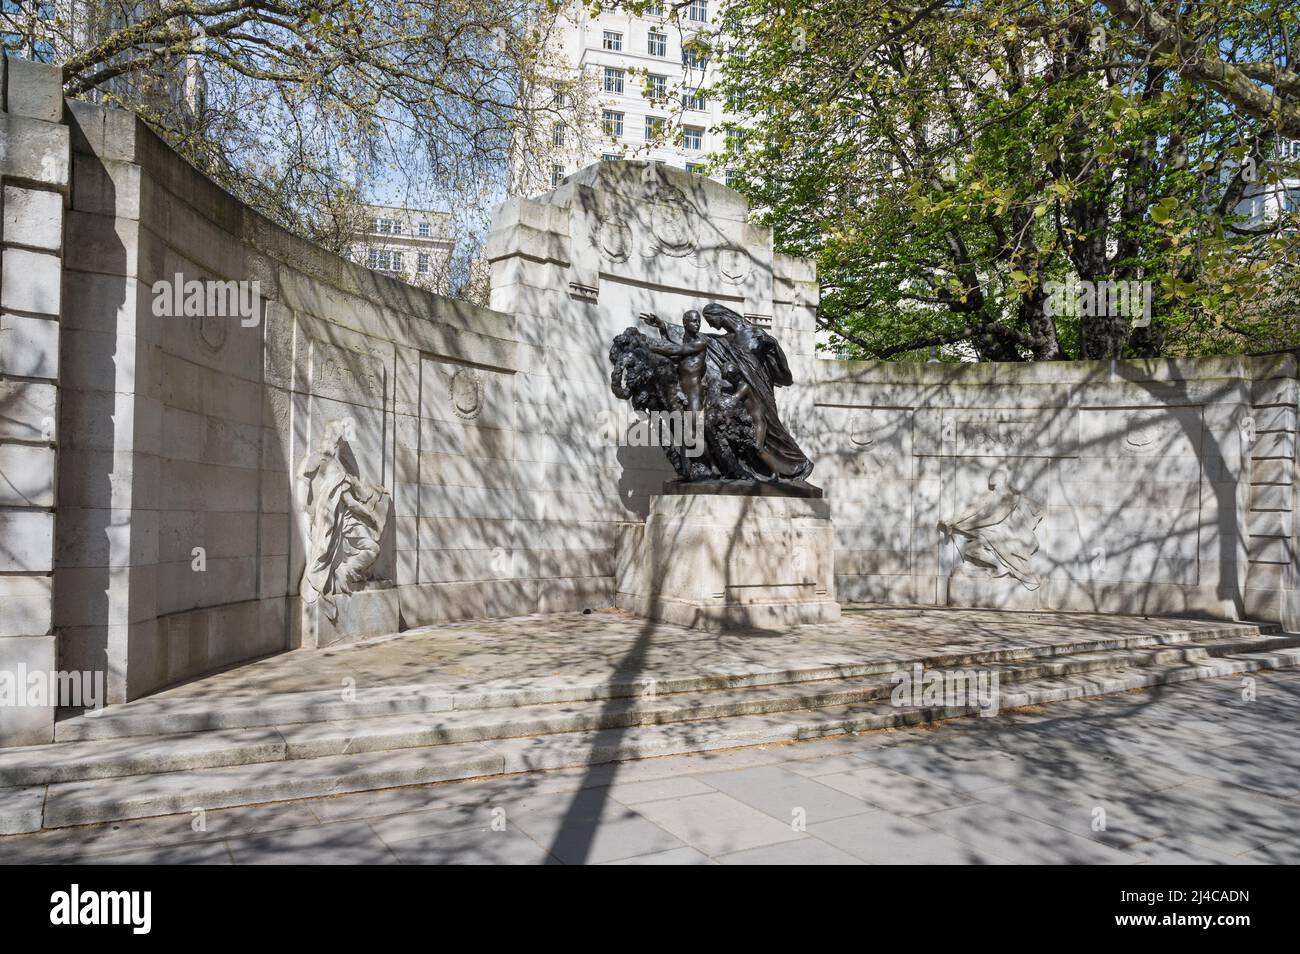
729	562
361	615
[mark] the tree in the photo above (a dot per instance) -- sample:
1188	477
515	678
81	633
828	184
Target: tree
952	169
301	108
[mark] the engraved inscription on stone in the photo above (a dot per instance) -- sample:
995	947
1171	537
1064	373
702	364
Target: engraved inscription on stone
347	375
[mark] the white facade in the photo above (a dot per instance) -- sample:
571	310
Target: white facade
1271	200
410	244
652	100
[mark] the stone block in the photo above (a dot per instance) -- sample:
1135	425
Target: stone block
26	475
1270	497
34	150
1270	550
1274	391
21	809
29	347
26	724
25	605
1269	523
32	281
1273	445
28	411
102	595
34	89
108	187
363	614
26	541
104	244
33	217
1278	418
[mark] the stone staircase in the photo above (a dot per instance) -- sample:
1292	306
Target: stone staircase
163	756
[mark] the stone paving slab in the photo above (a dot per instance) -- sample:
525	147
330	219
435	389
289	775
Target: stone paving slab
1050	768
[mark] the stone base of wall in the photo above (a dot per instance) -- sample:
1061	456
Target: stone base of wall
729	562
360	615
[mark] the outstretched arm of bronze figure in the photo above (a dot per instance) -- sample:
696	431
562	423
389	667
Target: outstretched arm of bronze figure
654	321
672	349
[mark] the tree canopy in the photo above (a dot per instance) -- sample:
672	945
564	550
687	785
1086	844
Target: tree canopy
954	166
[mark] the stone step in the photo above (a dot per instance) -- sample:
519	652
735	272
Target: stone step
165	714
92	759
136	796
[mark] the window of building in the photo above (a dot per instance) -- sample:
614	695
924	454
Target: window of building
693	168
613	123
695	101
1291	201
610	157
372	258
654	128
699	11
657	87
561	98
693	57
12	7
381	225
397	261
385	260
656	43
557	135
42	52
423	229
612	40
422	263
654	10
613	80
692	137
557	175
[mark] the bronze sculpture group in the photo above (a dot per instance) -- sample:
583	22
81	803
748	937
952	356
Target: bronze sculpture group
729	381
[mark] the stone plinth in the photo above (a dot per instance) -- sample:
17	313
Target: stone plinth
361	615
729	562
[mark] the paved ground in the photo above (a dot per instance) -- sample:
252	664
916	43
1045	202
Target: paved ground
1198	773
564	648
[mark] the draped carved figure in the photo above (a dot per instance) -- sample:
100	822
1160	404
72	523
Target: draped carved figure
999	531
347	515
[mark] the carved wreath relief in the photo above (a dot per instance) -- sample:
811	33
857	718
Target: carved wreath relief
467	394
347	515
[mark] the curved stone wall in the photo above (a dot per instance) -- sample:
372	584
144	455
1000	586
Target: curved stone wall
153	519
1144	487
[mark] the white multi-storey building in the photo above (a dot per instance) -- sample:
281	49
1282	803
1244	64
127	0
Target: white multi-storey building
1271	200
410	244
650	76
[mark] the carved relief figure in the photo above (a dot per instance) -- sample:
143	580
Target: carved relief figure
347	517
999	531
